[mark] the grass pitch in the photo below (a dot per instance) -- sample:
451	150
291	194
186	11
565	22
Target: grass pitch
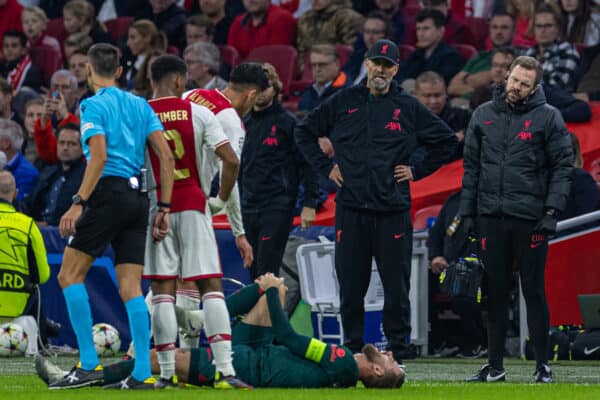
427	379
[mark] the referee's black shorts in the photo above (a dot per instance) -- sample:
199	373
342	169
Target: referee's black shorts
115	214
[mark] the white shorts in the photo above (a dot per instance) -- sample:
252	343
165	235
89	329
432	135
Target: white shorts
189	251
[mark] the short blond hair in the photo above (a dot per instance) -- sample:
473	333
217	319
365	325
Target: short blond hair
37	11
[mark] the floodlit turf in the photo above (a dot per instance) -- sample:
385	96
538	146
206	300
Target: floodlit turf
427	379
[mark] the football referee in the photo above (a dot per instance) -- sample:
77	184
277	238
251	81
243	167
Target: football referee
109	207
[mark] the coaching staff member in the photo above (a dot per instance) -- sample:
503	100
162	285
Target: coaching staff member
272	169
518	162
110	208
374	128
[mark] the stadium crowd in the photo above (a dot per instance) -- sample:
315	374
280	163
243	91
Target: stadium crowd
451	56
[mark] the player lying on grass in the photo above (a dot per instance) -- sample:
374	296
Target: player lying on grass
297	360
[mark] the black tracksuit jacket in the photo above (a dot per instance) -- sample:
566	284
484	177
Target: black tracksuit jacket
272	167
518	159
370	136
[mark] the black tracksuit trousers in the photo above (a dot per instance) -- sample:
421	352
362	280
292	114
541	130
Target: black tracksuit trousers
267	232
507	241
387	237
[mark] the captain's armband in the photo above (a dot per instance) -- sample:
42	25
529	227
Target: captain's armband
315	350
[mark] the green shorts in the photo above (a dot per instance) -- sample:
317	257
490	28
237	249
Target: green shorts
251	335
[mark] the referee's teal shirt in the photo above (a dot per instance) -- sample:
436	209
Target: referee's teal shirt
126	121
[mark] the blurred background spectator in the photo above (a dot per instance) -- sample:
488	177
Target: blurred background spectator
143	38
17	67
203	61
582	21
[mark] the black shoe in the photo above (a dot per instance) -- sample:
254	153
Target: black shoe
79	377
130	383
487	373
478	352
543	374
164	383
229	382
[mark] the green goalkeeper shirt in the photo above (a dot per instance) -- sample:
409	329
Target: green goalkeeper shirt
276	366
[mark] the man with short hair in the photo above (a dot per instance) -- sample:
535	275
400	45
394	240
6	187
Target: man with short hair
17	67
456	31
262	24
189	251
559	59
271	171
11	142
374	129
77	63
328	79
203	61
115	127
517	161
51	197
430	90
63	86
6	96
432	53
247	80
477	71
199	28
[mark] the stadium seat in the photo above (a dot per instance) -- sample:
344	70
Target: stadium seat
423	215
47	60
282	57
118	27
229	55
405	50
481	30
56	29
465	50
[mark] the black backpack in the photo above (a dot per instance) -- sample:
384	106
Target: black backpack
558	345
586	346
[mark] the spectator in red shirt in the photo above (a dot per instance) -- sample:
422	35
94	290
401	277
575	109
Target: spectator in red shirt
262	24
10	16
524	12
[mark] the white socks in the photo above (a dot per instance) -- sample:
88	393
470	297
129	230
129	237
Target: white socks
164	327
218	331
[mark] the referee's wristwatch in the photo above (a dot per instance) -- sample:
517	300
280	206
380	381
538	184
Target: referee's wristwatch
77	200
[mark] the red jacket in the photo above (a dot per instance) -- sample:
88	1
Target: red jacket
45	139
278	27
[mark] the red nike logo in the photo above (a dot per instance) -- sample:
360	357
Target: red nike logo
534	245
266	237
398	235
352	110
487	122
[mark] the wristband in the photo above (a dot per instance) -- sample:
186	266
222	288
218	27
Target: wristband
163	205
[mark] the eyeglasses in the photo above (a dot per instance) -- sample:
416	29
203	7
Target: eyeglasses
193	62
544	26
